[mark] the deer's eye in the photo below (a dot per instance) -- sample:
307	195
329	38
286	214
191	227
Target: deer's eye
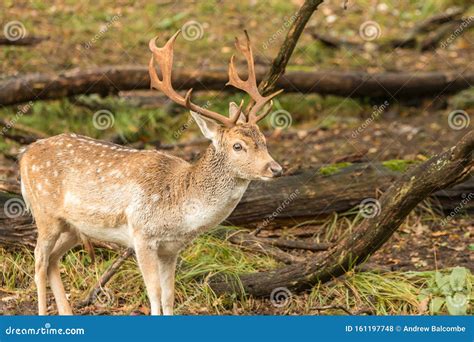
237	147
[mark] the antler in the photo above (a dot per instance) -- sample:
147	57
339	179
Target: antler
249	85
164	57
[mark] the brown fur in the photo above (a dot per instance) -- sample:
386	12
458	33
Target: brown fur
151	201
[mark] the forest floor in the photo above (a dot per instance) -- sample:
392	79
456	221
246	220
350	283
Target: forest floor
405	264
320	131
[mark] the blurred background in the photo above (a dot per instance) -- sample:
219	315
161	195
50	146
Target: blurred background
309	129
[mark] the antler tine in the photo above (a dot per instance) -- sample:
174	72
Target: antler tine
266	112
164	57
253	117
234	118
249	85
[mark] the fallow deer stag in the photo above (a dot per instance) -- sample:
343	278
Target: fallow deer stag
78	188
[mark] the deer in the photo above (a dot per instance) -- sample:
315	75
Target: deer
80	189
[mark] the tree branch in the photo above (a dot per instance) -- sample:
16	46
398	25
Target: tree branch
439	172
267	85
104	279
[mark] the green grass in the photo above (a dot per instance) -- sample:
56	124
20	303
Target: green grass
132	123
379	293
365	292
124	41
207	256
384	294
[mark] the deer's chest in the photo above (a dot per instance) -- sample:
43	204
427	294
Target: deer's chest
198	215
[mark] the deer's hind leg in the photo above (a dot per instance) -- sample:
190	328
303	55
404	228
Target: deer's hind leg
66	241
49	229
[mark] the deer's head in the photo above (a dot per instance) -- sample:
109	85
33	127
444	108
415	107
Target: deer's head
236	137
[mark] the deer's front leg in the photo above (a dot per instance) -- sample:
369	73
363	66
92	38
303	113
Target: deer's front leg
150	267
167	262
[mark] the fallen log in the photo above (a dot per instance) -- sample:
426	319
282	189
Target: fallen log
437	19
427	25
292	199
111	80
453	30
448	22
430	42
25	41
25	135
309	194
439	172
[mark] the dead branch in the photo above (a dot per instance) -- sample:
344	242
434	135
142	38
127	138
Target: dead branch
434	39
10	186
438	27
438	19
441	171
269	81
24	134
25	41
343	308
257	245
295	244
333	42
104	279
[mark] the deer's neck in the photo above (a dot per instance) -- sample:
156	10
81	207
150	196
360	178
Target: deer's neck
212	177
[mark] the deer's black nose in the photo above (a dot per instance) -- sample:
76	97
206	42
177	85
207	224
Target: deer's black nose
276	169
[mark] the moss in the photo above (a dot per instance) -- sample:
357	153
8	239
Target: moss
397	165
333	168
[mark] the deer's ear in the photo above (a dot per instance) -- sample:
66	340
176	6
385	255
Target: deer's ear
208	127
233	108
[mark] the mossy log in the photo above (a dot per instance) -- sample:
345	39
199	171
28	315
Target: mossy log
292	199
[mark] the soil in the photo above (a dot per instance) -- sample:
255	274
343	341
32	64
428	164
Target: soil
422	243
399	132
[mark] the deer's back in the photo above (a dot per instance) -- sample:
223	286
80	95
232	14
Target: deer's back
94	184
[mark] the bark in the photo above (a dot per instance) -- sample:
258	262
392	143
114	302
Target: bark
288	200
16	226
439	172
308	195
277	69
110	80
